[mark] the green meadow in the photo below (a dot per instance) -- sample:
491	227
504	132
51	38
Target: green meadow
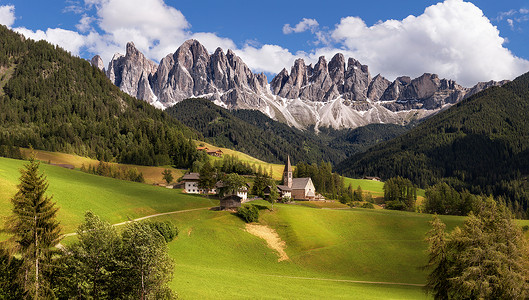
114	200
333	253
328	250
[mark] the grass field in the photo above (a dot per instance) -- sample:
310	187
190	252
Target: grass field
114	200
329	250
216	259
150	174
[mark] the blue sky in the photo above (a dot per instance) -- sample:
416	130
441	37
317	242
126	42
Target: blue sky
467	41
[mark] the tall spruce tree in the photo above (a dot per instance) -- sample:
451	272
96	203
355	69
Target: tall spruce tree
484	259
34	229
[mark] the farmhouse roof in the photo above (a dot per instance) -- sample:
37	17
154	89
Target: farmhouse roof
300	183
191	176
284	188
232	197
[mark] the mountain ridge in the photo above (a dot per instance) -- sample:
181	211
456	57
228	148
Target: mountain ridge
336	94
481	144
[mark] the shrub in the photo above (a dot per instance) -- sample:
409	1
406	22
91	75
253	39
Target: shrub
249	213
396	205
167	229
368	205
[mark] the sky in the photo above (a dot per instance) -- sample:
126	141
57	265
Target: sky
467	41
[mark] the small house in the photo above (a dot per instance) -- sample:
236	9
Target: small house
230	202
203	149
191	184
216	153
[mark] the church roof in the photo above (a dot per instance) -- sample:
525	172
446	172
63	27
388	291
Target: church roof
300	183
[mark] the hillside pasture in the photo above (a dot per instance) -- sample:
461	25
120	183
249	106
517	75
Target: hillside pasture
114	200
277	169
150	174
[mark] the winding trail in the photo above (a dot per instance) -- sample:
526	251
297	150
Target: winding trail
143	218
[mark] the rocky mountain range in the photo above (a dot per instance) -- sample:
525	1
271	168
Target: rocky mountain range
336	94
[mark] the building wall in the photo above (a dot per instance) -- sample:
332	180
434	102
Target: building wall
243	195
302	193
287	195
191	187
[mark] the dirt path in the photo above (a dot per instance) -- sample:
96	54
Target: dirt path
271	237
60	246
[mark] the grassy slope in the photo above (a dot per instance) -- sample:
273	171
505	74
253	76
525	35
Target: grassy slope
151	174
216	258
277	169
376	188
114	200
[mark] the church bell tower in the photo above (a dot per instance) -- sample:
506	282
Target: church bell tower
287	174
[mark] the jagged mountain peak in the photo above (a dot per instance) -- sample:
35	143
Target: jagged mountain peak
339	93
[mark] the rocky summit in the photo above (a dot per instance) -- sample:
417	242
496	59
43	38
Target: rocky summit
340	93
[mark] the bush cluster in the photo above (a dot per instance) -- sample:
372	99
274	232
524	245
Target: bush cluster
249	213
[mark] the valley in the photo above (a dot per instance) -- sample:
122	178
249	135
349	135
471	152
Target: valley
324	170
336	248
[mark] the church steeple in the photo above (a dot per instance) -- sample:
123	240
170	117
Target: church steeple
287	174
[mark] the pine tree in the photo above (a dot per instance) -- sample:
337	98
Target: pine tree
438	280
34	228
167	175
207	178
484	259
274	195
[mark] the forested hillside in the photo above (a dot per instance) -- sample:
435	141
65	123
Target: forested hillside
254	133
54	101
481	144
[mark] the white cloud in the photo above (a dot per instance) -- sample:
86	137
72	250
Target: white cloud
85	24
453	39
267	58
211	41
67	39
304	25
7	15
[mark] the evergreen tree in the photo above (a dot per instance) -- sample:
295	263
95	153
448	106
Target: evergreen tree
485	259
207	178
34	229
167	175
438	280
274	195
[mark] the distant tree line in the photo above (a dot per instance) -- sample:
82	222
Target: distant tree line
119	172
330	184
400	194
